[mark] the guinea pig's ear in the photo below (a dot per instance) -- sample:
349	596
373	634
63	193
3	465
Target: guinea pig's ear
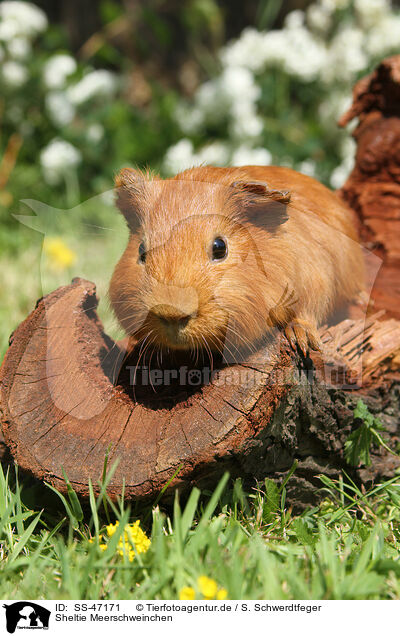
129	188
262	205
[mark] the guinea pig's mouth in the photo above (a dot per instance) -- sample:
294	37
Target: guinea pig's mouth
171	329
167	327
181	332
174	332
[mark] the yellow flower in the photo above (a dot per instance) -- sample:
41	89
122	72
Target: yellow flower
102	546
187	594
59	255
222	594
111	528
133	540
208	587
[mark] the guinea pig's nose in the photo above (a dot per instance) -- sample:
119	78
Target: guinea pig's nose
169	315
179	322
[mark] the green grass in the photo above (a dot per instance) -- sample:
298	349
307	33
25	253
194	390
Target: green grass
249	543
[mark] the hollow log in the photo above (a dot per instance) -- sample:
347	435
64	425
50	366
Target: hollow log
67	400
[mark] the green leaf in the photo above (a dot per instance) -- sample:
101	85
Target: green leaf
303	534
72	518
73	499
358	444
21	543
272	497
361	412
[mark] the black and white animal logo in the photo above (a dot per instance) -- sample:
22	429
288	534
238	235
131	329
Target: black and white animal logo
26	615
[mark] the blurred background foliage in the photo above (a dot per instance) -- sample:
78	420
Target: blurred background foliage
89	86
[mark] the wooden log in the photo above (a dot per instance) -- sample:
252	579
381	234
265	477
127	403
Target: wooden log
67	398
373	188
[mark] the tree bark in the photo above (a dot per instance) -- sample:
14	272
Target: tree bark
373	188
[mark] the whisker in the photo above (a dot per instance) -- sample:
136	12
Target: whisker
151	382
208	350
141	352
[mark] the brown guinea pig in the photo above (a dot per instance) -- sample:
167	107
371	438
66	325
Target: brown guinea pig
218	257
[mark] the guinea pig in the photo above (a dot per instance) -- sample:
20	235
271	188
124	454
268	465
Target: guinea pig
219	257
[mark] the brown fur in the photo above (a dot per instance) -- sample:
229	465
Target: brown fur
293	257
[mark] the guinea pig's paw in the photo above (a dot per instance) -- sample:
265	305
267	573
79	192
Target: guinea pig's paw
303	335
284	309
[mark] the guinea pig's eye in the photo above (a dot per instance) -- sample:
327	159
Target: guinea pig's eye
219	249
142	252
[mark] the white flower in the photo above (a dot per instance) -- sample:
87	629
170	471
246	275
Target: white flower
384	36
190	119
19	48
294	48
246	51
245	121
59	108
304	55
274	49
340	174
8	30
14	74
319	18
57	69
370	12
209	101
307	167
95	133
57	159
333	5
215	98
294	19
246	156
346	55
180	156
20	19
348	149
99	83
216	154
238	83
229	98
